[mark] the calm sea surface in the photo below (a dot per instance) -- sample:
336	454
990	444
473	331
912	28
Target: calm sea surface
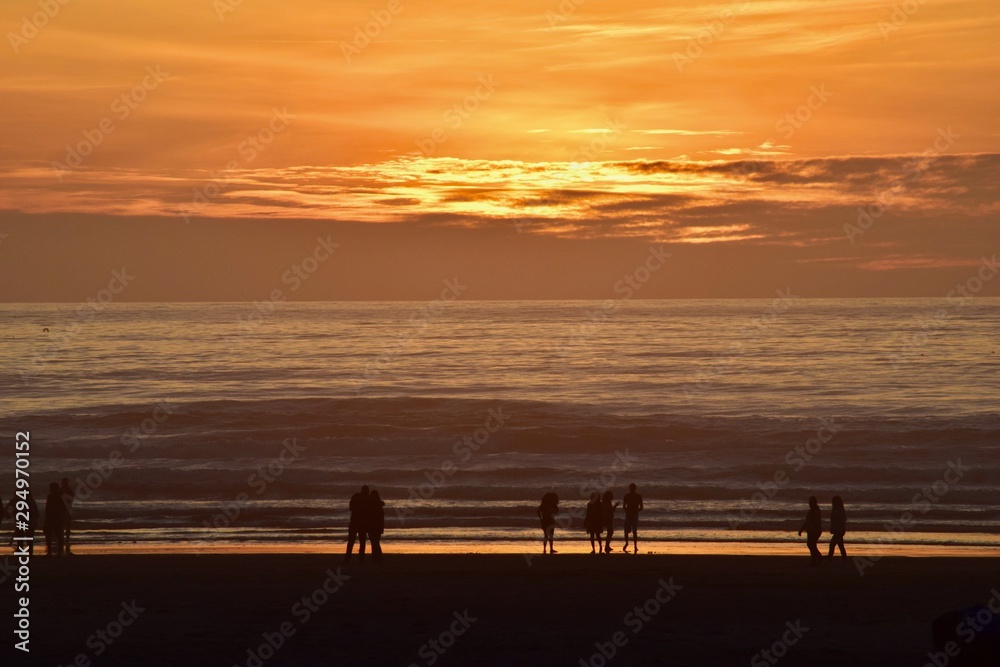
200	424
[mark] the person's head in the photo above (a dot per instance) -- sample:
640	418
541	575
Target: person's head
594	497
65	482
54	487
364	490
608	496
631	487
813	503
374	495
838	502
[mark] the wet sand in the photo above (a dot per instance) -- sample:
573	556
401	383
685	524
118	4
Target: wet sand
488	609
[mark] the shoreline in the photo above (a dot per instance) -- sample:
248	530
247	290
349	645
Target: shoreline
567	547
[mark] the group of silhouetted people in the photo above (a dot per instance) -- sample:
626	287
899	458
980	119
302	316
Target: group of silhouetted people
599	519
57	524
367	522
813	528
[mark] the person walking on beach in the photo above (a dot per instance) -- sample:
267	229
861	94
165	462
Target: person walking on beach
608	512
55	521
838	527
593	522
376	524
813	526
632	502
357	530
547	514
68	497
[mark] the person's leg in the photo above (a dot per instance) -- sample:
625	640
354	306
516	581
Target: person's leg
376	547
352	535
362	539
66	538
840	543
812	542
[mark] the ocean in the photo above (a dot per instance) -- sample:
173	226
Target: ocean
235	425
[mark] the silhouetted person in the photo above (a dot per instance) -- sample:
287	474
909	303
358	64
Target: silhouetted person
24	528
357	530
838	526
608	512
547	514
376	524
813	526
593	522
55	521
68	497
632	502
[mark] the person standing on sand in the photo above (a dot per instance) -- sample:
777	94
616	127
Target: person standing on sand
608	511
813	526
838	527
593	521
376	524
68	497
55	521
632	502
547	514
357	530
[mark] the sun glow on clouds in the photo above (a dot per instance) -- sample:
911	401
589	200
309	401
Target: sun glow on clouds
600	82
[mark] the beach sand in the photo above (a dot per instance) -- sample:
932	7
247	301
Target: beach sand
496	609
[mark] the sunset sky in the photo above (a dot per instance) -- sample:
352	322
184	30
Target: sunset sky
532	149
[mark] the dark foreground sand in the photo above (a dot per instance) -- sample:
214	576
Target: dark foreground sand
210	609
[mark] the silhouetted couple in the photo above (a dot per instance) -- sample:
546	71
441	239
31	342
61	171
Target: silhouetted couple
367	522
813	527
600	517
